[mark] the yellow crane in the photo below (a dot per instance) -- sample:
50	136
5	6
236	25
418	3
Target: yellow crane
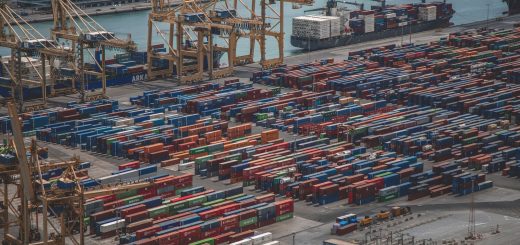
190	41
24	191
73	26
27	67
204	30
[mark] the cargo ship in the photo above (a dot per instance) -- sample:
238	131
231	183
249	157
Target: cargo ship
342	27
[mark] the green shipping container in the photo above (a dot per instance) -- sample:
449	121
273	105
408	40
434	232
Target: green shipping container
383	174
174	207
237	139
197	200
261	116
284	217
203	159
198	150
469	141
235	196
154	212
126	194
178	192
387	197
215	148
207	204
378	148
249	221
133	199
237	157
276	91
207	241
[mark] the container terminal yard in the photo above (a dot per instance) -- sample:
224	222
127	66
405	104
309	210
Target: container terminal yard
405	140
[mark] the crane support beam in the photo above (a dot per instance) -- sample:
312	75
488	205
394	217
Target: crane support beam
115	190
21	152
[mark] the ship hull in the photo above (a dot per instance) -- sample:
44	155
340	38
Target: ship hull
345	40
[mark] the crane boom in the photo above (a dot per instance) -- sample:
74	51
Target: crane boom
24	169
115	189
21	153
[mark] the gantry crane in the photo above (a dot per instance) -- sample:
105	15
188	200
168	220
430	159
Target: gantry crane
21	193
193	50
71	24
29	47
25	192
208	21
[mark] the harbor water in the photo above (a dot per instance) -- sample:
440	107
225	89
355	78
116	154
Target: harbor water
135	23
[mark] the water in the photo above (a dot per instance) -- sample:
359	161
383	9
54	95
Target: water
135	23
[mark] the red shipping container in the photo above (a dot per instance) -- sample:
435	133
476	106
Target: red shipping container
131	210
380	182
247	214
131	228
223	238
132	165
148	241
107	198
147	232
285	206
131	218
171	238
102	215
153	148
177	216
249	227
248	203
229	223
189	235
212	213
210	233
184	178
240	236
231	207
266	222
316	187
147	190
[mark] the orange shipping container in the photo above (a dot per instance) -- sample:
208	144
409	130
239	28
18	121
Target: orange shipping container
153	148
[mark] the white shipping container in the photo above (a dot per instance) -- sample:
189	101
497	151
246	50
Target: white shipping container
334	24
311	27
262	238
402	23
367	17
186	166
126	122
272	243
112	226
246	241
369	28
119	177
428	13
391	15
388	190
157	116
369	23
